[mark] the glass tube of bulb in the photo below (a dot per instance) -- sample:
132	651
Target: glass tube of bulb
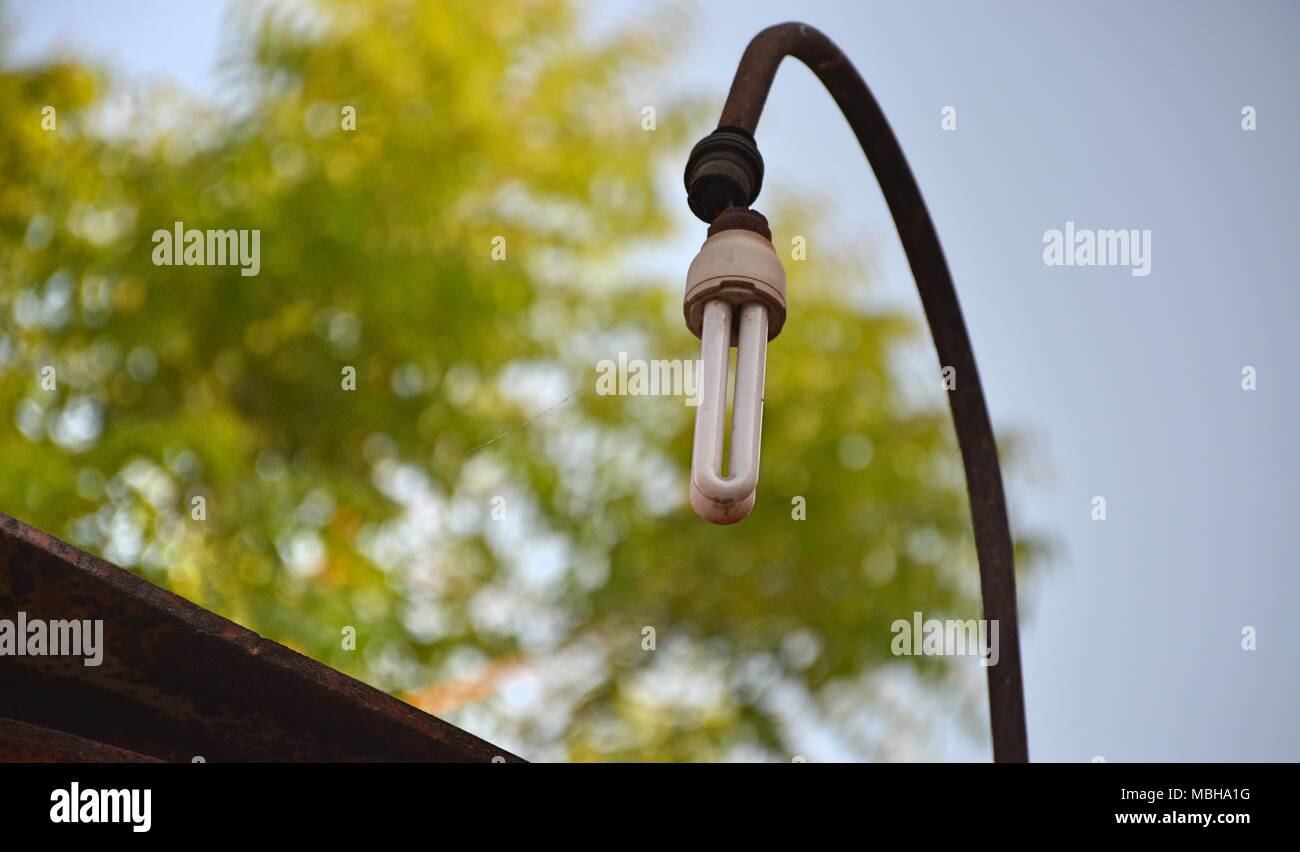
717	498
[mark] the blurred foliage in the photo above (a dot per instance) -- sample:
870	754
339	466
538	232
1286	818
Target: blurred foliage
374	508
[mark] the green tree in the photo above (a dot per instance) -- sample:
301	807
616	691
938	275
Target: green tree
499	535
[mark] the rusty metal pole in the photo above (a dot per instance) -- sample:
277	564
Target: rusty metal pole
725	171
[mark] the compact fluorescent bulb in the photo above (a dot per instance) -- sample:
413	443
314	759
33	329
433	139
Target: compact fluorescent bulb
734	289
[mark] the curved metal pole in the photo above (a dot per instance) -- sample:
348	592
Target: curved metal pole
939	297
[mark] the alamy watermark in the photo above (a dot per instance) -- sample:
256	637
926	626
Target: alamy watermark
183	246
37	637
75	805
950	637
638	377
1111	247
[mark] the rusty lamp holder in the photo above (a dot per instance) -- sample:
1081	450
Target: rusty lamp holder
724	175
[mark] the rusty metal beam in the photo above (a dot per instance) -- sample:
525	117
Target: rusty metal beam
24	743
179	682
